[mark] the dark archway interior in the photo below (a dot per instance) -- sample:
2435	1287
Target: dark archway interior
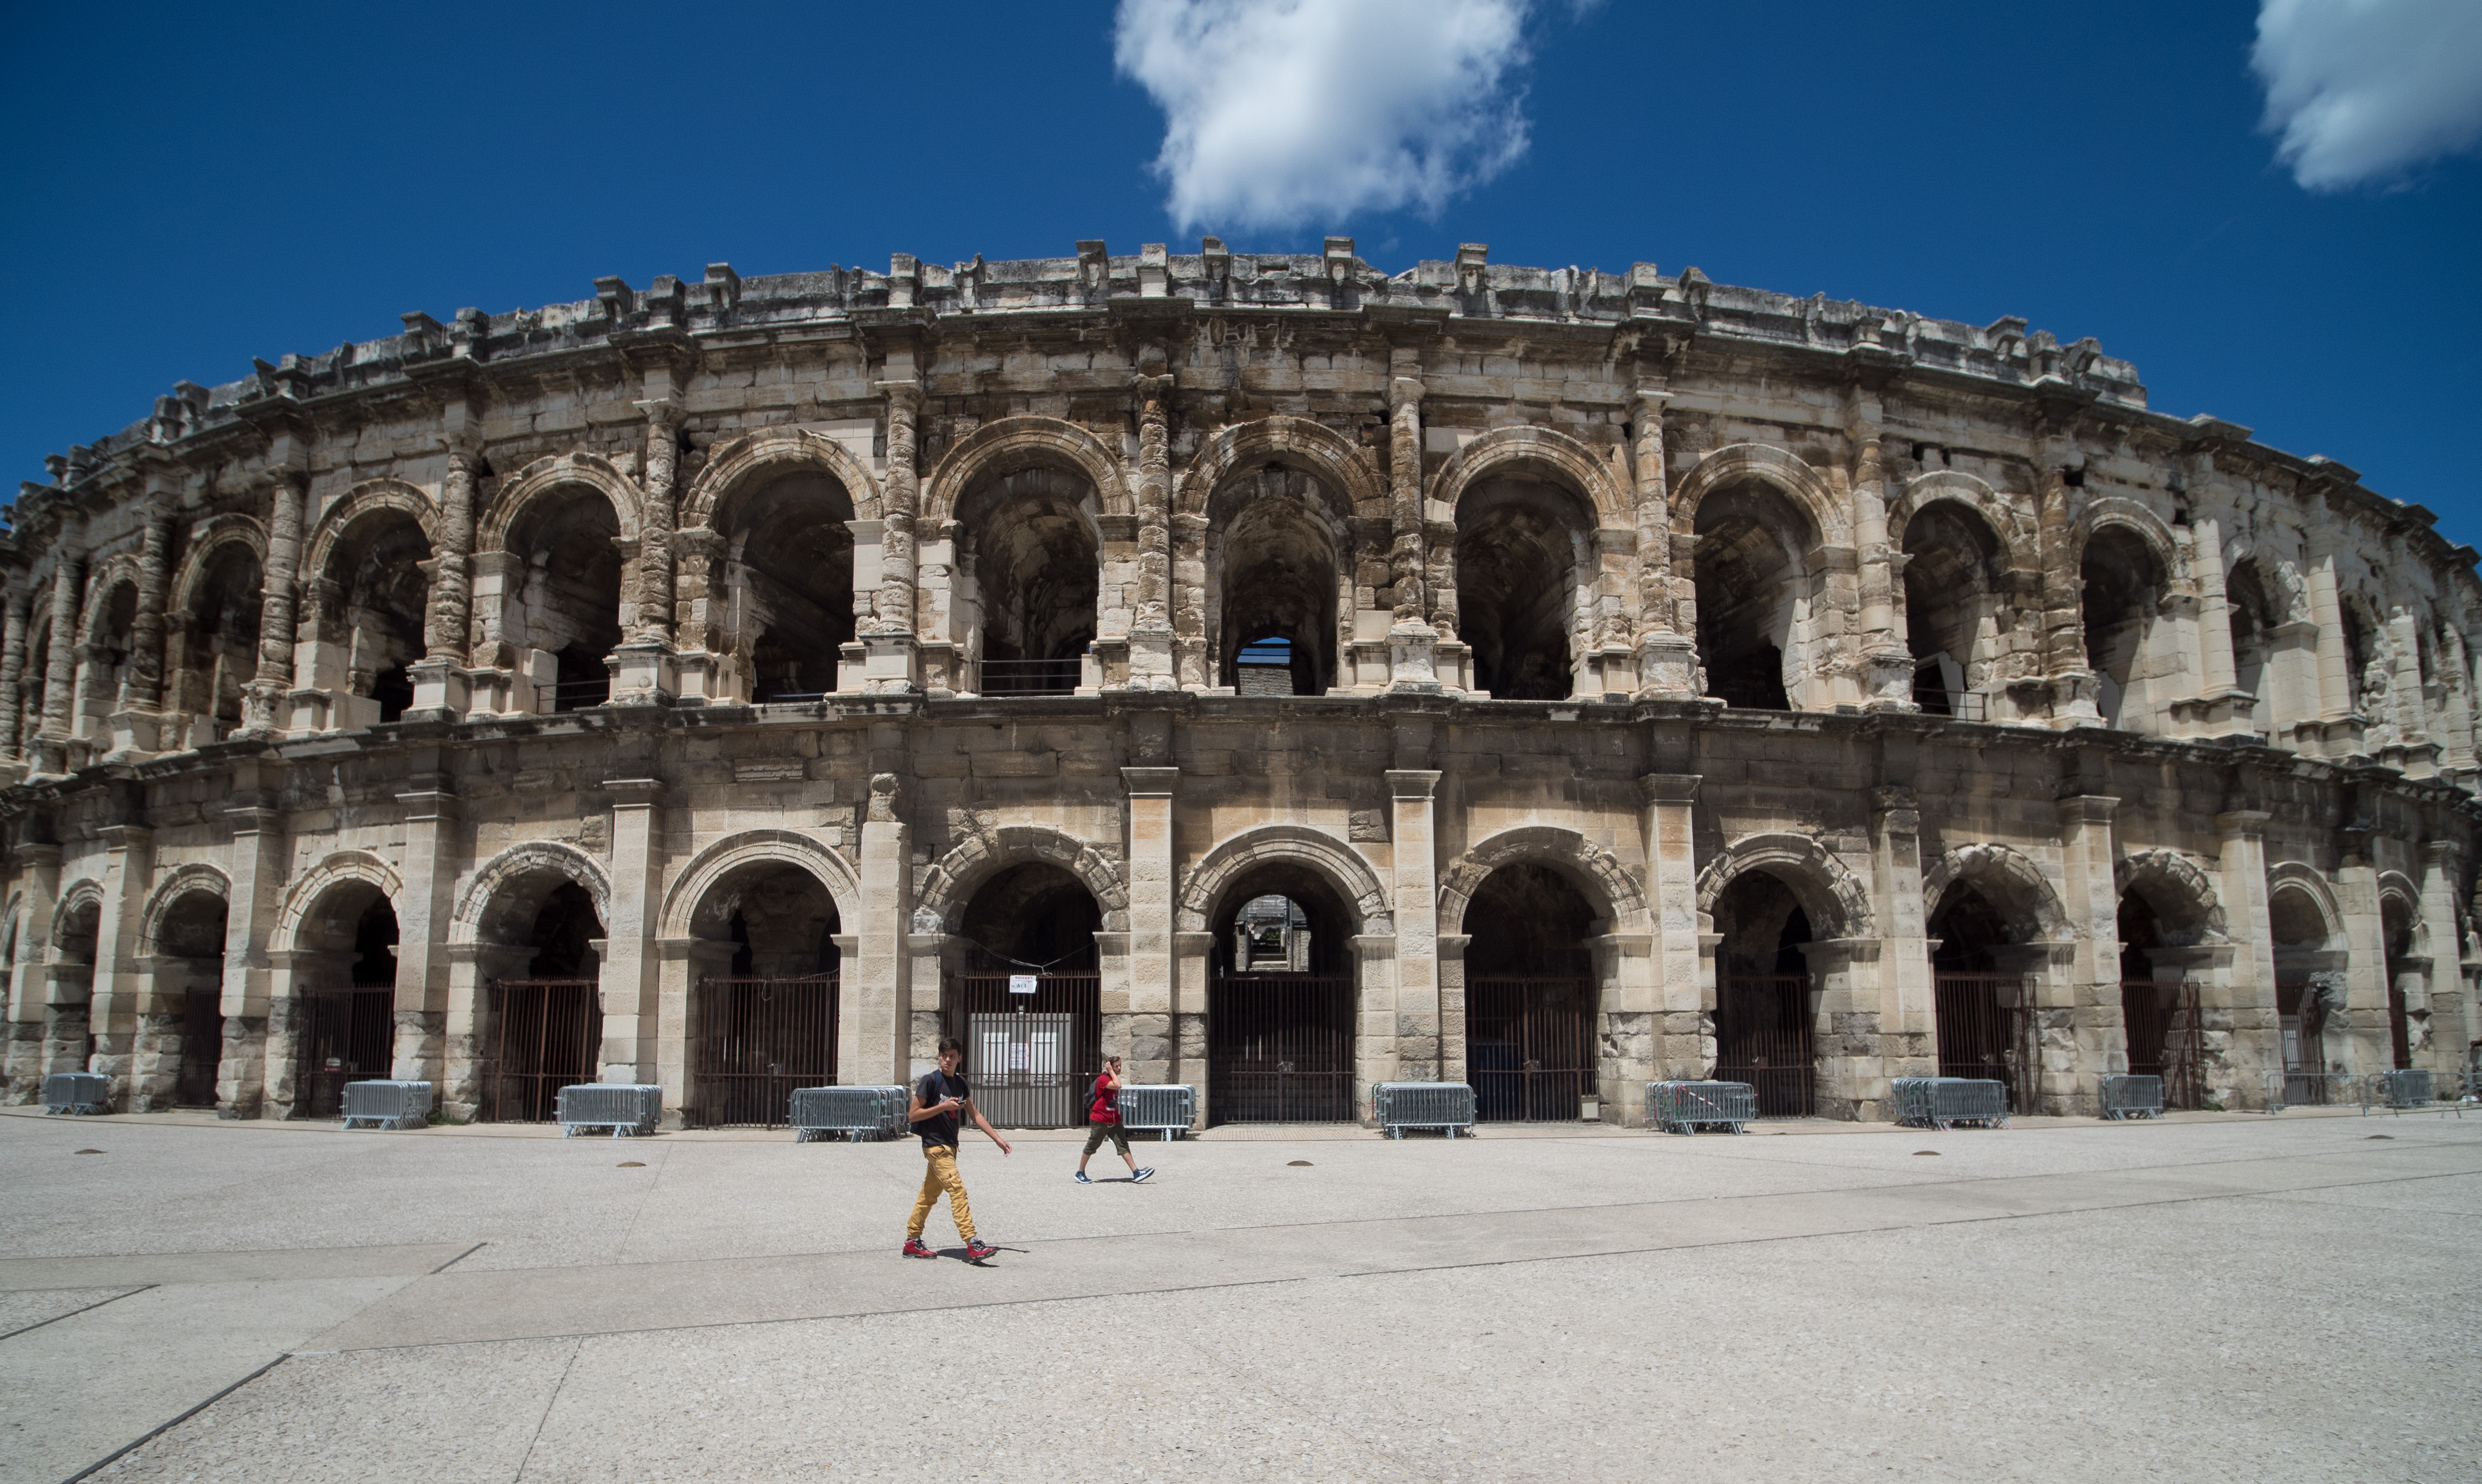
766	1024
780	919
2251	616
1765	1023
564	933
1762	926
2395	921
1951	594
113	643
1531	1030
1037	574
570	544
2121	584
193	928
374	945
220	652
374	607
2364	672
1316	908
1519	546
1279	1041
1279	580
794	548
1749	573
38	670
1969	931
2140	935
1529	919
1033	917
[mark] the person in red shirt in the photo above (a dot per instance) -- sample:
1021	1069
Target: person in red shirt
1104	1119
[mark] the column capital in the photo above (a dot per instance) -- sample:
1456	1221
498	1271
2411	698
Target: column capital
2441	854
1403	391
1151	782
1412	783
2243	823
634	793
1669	787
905	393
2087	808
660	412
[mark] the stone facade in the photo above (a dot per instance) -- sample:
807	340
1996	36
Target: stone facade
1672	640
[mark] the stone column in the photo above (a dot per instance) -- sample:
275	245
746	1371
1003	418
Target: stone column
890	638
441	689
1667	659
1413	644
1887	663
434	842
2226	715
631	970
2438	1035
1415	1026
256	864
874	1032
2361	1043
38	881
143	688
128	875
260	706
2080	1028
2063	627
13	675
2341	730
2418	752
1904	1027
1153	1034
60	679
1151	632
642	665
2251	1026
1669	829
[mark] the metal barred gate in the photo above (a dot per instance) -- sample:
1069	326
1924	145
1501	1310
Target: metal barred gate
1279	1050
1764	1036
1530	1047
1034	1043
344	1035
546	1034
1981	1038
2166	1038
753	1040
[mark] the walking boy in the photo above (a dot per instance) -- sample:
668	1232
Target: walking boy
1104	1121
938	1099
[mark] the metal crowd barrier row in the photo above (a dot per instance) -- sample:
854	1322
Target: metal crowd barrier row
1167	1109
2132	1096
857	1113
77	1093
1685	1107
625	1108
1943	1102
383	1104
1447	1106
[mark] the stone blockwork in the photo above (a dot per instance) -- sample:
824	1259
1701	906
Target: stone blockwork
1626	675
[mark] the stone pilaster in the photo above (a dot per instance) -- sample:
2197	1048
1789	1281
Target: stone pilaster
1887	664
277	620
2438	1037
434	843
2248	1017
2339	728
128	875
442	691
1152	1036
1905	1025
2080	1031
1416	1027
643	667
38	882
60	677
1668	829
1667	659
874	1033
13	675
144	686
2063	592
631	969
256	865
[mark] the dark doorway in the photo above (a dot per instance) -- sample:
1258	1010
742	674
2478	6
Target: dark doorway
348	1033
2396	924
1279	1006
203	1024
762	1035
1763	1015
1984	1023
191	930
2161	1021
1028	999
548	1029
1530	998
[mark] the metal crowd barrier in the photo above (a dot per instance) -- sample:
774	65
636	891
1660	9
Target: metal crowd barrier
1168	1109
625	1108
1447	1106
380	1104
2399	1090
1943	1102
1685	1107
2315	1090
77	1091
2132	1096
857	1113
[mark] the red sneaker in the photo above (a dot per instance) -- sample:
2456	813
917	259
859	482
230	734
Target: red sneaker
915	1248
978	1249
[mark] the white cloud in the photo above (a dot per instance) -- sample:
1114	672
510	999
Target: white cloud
2364	90
1284	112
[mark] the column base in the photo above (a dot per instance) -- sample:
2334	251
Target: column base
644	672
1667	668
1413	660
443	691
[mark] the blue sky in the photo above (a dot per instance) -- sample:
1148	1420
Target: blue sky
197	186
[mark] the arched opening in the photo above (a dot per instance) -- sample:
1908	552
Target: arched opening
1530	1001
1031	559
1025	995
2158	1003
763	1012
2309	988
189	995
1272	556
2398	924
545	1030
789	586
2123	587
38	670
216	644
568	597
2252	616
1983	1011
1520	544
367	612
1955	612
1766	1005
68	1034
1753	593
2368	678
110	648
343	1016
1280	1001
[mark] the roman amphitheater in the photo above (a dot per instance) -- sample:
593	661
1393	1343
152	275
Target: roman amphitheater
1292	675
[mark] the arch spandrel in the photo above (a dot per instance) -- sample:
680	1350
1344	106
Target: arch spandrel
745	463
2179	889
374	497
1779	469
345	868
230	529
2119	512
1609	885
2007	521
2304	878
1505	452
1322	854
1303	442
545	476
193	879
1011	443
2012	882
756	848
1830	894
481	900
949	886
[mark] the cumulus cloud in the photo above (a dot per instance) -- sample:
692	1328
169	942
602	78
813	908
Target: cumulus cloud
2364	90
1284	112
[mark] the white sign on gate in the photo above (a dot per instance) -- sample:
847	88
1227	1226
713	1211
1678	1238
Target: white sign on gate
1020	984
1019	1056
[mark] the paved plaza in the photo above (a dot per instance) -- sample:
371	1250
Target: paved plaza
2212	1298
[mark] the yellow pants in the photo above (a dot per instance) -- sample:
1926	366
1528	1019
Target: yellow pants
941	1175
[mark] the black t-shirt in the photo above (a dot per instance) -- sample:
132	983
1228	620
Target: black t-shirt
940	1129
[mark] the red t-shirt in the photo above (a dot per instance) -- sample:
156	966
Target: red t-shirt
1106	1107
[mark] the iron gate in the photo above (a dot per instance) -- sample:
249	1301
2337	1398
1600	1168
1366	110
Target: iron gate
546	1034
752	1041
2165	1038
202	1046
1764	1036
1279	1050
1979	1037
1530	1047
1070	1010
345	1036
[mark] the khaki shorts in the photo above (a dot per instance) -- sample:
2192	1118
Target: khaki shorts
1099	1133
